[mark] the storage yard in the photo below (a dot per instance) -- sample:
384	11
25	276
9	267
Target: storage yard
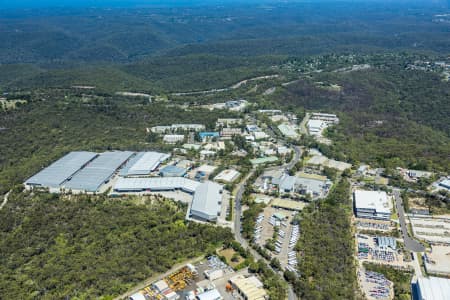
379	249
211	279
273	226
375	285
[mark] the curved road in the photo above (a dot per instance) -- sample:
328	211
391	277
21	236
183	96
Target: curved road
410	243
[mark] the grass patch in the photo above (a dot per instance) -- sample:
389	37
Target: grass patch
232	257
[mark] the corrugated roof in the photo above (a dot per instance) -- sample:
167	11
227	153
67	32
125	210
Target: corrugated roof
206	200
98	171
250	286
434	288
146	163
156	184
62	169
172	171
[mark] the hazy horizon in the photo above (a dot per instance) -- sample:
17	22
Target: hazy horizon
24	4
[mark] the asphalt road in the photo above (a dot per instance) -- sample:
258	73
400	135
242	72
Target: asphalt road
238	212
410	243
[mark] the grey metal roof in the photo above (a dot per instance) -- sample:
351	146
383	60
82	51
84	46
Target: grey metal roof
62	169
138	184
172	171
98	171
145	163
206	202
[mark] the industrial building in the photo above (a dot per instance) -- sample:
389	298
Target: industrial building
445	184
228	121
288	131
227	176
176	127
173	138
328	118
172	171
155	184
372	205
431	288
61	170
207	201
385	242
250	288
210	295
228	132
80	171
315	127
293	184
97	172
143	163
206	135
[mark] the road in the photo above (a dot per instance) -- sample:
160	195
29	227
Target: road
410	243
233	87
238	213
5	200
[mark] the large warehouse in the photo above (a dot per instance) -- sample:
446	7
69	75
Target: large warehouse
372	205
155	184
98	171
61	170
144	163
431	288
207	202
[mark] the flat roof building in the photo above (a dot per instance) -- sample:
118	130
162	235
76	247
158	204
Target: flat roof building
144	163
98	171
210	295
445	183
315	127
155	184
250	288
431	288
61	170
172	171
207	201
372	205
173	138
385	242
288	130
208	135
229	175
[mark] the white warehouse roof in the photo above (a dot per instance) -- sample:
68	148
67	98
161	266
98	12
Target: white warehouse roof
155	184
207	201
146	163
433	288
376	200
210	295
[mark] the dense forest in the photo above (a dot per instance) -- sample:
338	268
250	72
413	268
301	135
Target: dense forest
389	116
85	247
326	258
